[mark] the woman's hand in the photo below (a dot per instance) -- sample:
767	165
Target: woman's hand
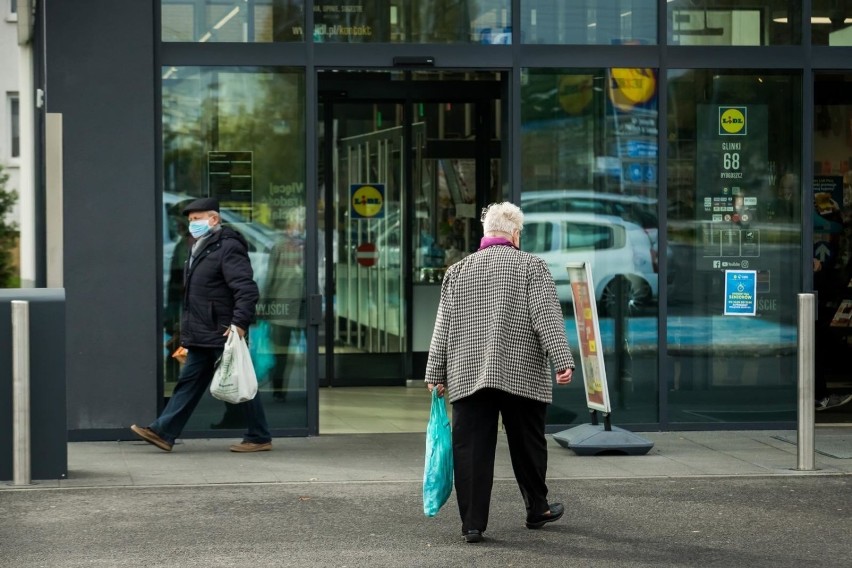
564	377
440	388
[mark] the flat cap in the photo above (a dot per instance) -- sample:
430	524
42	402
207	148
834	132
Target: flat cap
203	204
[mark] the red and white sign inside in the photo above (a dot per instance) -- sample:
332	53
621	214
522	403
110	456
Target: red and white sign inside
366	254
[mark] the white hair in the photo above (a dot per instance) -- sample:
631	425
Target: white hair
502	217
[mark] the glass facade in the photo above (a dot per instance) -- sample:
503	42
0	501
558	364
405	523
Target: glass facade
684	178
589	194
336	21
733	208
238	134
240	21
415	21
589	22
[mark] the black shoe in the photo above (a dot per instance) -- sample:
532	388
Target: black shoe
553	514
472	535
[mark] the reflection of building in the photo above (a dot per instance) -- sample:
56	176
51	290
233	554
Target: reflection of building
10	150
444	118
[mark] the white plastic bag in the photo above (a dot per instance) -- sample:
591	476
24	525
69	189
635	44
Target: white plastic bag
234	380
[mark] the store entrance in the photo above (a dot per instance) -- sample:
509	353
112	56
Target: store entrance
831	215
407	159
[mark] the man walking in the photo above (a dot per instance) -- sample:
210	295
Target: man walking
218	292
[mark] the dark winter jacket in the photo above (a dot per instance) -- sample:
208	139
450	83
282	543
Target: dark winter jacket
218	290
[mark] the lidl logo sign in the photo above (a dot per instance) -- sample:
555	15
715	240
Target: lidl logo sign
368	201
629	88
732	121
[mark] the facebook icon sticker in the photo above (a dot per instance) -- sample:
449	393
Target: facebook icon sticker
740	292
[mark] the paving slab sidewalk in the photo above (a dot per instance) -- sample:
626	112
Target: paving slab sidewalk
382	458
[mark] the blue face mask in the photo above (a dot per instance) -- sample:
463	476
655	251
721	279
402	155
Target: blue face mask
199	228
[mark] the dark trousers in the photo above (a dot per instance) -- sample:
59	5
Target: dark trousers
475	443
194	381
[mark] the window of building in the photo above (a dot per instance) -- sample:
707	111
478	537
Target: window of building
235	21
734	196
589	194
414	21
338	21
831	23
589	22
722	22
15	122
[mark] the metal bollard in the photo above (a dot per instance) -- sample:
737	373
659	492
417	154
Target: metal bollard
21	392
805	445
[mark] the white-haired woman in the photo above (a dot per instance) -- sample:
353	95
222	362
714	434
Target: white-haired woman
499	328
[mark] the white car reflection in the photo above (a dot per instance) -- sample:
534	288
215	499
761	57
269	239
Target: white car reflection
620	254
637	209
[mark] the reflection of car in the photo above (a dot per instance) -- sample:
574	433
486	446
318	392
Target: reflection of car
259	237
634	208
619	251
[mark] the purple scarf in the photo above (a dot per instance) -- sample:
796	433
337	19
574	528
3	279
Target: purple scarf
493	241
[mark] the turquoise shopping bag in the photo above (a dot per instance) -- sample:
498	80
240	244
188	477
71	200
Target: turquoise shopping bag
261	350
438	472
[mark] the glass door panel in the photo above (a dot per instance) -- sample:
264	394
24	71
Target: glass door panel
367	288
404	173
237	134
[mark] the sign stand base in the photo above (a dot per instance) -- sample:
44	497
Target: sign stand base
596	439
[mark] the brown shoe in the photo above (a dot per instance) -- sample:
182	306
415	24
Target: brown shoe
151	437
251	447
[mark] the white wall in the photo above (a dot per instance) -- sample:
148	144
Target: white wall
8	84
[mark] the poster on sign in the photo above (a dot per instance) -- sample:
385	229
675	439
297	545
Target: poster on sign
589	336
740	292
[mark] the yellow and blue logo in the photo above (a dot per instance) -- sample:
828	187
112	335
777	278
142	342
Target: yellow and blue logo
368	201
629	88
732	121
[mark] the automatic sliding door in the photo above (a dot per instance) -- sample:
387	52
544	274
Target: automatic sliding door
366	333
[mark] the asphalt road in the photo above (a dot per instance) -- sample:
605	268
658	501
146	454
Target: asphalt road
726	521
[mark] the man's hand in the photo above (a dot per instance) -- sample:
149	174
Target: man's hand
564	377
440	388
240	331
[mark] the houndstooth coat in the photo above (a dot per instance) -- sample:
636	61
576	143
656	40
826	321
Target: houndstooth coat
498	323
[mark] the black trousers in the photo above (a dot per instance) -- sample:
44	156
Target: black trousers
475	444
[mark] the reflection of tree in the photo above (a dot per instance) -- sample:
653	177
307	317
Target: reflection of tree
260	111
288	18
442	20
183	143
